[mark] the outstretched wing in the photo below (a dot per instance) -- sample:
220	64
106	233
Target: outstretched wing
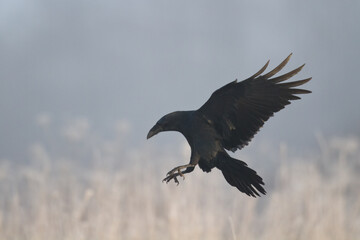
239	109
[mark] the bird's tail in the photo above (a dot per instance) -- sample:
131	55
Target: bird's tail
239	175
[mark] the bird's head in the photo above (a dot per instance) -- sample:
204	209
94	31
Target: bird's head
169	122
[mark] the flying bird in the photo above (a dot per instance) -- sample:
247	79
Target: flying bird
228	121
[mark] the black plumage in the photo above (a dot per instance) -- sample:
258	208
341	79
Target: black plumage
229	120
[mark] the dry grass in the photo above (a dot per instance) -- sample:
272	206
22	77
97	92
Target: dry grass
311	199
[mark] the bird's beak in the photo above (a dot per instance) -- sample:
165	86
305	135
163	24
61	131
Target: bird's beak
154	130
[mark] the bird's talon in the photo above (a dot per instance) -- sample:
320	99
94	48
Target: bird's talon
181	174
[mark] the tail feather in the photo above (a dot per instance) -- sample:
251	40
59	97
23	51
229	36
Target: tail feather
239	175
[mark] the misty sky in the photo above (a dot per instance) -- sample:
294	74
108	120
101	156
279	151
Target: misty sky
103	65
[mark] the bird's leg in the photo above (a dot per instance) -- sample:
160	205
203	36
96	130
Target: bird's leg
178	169
174	173
173	176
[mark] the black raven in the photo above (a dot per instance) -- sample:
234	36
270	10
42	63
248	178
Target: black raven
229	120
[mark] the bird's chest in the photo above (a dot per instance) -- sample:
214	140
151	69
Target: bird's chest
203	142
202	138
206	149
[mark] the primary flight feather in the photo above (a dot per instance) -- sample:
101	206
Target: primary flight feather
229	120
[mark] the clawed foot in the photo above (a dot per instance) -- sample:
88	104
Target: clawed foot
173	174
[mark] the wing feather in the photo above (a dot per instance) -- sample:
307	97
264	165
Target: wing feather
239	109
261	70
287	75
278	68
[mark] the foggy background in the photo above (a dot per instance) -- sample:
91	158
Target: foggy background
80	71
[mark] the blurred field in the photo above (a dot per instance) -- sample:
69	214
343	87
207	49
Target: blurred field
314	197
